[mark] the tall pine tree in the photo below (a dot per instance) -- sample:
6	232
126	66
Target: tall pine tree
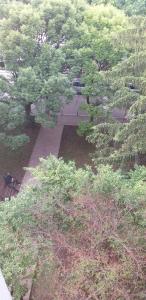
123	140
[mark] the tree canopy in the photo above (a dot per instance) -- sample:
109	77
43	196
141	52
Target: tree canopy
41	39
124	139
45	44
131	7
32	37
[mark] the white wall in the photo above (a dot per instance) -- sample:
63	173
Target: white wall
4	292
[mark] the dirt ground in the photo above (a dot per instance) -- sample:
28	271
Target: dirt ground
75	147
14	161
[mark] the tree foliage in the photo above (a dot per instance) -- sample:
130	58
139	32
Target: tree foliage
46	44
92	50
81	231
32	37
131	7
124	139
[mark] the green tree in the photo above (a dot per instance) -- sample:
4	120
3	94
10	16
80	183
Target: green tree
131	7
92	51
32	47
120	141
11	117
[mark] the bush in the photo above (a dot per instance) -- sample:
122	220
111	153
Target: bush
107	181
88	227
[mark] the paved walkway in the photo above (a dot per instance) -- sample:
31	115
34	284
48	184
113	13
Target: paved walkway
49	139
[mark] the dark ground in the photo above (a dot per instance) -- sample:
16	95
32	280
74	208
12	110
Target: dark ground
75	147
14	161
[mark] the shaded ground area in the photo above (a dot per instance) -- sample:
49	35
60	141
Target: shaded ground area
14	161
75	147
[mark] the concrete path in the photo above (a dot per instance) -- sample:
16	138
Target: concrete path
48	142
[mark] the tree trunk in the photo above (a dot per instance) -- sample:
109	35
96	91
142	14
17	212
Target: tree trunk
88	99
137	159
30	120
57	45
28	110
91	119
